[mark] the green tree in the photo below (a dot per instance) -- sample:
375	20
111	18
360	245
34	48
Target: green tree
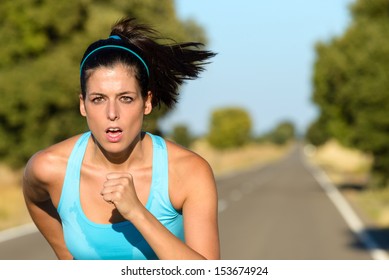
230	127
282	133
182	135
43	42
316	133
351	84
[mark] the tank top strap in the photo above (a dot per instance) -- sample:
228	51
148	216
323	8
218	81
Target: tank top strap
160	181
72	177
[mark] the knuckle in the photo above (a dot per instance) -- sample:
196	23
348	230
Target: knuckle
118	196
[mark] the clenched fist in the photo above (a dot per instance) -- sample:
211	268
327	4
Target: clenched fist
119	190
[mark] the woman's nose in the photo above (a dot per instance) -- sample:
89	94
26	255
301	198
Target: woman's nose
113	112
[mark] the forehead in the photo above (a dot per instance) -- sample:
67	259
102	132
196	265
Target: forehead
118	69
116	77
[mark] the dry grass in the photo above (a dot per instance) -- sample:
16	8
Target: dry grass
375	204
13	211
349	167
343	165
225	161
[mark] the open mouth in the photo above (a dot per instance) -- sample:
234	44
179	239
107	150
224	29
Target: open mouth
113	130
114	134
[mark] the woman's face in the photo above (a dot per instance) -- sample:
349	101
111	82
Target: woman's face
114	108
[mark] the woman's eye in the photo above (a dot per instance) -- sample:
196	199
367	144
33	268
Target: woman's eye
98	99
126	99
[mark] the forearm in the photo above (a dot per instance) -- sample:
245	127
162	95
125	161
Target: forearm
48	222
165	244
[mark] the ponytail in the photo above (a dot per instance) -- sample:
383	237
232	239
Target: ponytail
160	68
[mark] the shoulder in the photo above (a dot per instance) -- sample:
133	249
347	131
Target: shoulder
185	161
189	172
47	168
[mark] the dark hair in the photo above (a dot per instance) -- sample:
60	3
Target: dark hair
159	68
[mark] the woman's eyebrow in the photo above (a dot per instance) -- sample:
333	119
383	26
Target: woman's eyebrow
117	94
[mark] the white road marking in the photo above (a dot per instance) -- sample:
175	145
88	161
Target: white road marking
16	232
348	214
222	205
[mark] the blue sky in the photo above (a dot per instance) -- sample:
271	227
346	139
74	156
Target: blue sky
264	62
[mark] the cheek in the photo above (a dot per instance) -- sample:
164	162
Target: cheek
133	115
92	112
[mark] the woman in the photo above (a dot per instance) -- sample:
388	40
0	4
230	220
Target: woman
116	192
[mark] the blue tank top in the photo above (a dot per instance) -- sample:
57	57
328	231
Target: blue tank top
88	240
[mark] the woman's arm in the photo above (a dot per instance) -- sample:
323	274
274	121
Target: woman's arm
199	212
36	181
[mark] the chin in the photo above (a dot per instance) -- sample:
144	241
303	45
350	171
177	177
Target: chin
115	145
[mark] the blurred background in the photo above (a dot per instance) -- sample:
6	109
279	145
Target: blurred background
304	75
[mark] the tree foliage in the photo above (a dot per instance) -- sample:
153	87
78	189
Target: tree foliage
43	42
230	127
182	135
282	133
351	83
317	133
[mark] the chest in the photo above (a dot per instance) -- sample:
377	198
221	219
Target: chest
99	211
92	203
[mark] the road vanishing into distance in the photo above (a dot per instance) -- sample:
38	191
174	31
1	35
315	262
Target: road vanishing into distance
280	211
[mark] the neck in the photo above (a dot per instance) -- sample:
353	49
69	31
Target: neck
128	159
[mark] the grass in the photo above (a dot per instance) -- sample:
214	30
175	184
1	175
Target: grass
232	160
375	204
13	211
343	165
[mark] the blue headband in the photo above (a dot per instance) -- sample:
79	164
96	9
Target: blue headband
116	37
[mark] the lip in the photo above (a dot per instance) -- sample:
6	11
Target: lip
113	134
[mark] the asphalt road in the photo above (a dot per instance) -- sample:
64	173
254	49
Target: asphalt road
31	246
280	212
275	212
